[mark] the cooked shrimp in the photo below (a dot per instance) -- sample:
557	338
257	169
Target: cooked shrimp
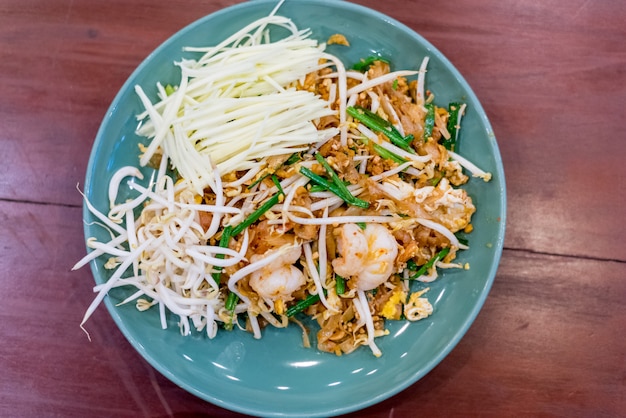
279	279
367	255
352	245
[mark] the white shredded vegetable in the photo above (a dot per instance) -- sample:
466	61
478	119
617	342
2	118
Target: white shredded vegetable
234	105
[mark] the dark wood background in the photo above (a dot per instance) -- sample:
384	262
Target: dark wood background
549	341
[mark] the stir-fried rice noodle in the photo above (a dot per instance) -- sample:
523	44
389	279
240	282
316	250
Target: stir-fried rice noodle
274	197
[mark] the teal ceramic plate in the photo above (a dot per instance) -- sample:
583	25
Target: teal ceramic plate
276	376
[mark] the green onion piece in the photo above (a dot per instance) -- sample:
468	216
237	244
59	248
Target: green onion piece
340	285
317	188
254	216
332	187
231	301
302	305
333	176
230	305
277	184
224	239
169	90
440	255
317	179
257	181
411	265
378	124
462	239
294	158
453	120
362	225
340	185
429	121
363	64
395	84
321	182
435	180
384	153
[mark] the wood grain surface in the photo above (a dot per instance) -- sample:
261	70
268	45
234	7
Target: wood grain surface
549	341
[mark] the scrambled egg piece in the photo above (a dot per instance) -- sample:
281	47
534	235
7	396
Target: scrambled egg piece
418	307
393	307
111	263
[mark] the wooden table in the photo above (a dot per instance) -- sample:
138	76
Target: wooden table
550	338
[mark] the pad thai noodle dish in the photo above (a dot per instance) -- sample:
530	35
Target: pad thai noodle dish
286	186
